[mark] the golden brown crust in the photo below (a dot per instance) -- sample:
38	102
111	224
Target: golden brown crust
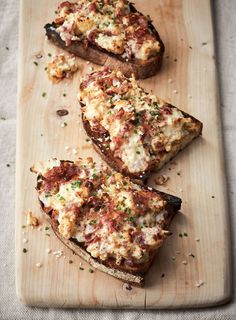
140	69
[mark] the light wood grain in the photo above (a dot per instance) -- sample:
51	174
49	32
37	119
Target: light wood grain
184	26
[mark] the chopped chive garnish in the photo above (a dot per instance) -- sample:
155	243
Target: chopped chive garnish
76	184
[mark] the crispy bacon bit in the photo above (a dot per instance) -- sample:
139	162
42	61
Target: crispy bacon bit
93	7
166	109
93	35
59	21
65	4
54	177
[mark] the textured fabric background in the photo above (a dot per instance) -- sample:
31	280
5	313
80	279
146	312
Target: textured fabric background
224	14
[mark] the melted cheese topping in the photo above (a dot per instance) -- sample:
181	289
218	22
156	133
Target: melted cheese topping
108	24
141	126
110	215
61	66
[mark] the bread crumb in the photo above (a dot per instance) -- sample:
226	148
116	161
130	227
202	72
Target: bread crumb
58	254
170	80
25	240
74	151
184	262
38	265
175	91
48	251
197	239
199	284
160	180
31	220
67	148
127	287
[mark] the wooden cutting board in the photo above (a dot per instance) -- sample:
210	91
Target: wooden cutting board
192	269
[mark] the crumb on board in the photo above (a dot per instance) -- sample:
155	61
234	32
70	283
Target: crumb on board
162	179
31	220
38	265
38	56
190	254
62	66
63	124
199	283
127	286
58	254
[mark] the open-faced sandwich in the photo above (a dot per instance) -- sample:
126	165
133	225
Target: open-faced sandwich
134	131
104	217
110	33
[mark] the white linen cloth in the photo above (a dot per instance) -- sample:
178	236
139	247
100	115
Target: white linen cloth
224	13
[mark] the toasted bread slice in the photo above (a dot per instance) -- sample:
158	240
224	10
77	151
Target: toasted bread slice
108	220
111	33
135	132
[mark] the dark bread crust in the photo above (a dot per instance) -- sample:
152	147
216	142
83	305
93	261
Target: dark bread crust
141	69
102	147
132	274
